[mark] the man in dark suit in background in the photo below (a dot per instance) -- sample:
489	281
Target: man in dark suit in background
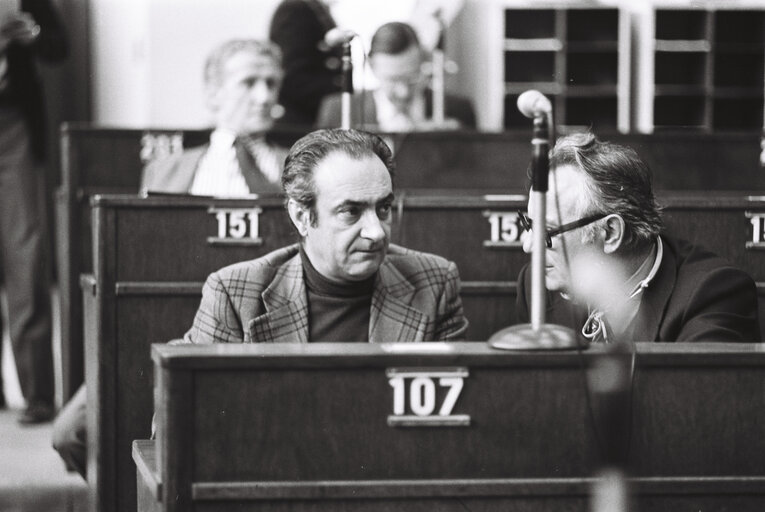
402	101
611	275
35	31
343	281
312	69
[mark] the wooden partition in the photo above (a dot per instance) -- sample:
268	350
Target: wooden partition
96	159
333	427
153	254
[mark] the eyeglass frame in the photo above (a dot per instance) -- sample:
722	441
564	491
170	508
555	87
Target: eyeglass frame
526	224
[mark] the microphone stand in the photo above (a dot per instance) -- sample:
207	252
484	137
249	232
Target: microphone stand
347	87
609	380
537	335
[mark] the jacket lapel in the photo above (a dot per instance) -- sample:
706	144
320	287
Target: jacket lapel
183	177
655	298
286	316
391	316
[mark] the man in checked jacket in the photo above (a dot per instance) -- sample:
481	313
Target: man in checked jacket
342	281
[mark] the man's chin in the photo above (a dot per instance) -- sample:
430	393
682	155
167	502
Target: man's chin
366	265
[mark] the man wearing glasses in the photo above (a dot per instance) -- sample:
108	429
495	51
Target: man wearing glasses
402	101
611	275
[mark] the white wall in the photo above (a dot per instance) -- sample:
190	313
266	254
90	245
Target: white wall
120	86
148	55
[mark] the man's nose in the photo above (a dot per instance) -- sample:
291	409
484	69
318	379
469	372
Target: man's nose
261	92
372	227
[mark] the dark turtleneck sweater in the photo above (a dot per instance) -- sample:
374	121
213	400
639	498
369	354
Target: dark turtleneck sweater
336	311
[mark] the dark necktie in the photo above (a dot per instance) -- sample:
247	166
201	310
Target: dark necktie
248	165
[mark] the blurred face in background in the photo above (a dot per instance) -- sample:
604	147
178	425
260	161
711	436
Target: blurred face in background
243	100
400	76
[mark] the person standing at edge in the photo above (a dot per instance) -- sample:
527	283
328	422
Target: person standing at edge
31	33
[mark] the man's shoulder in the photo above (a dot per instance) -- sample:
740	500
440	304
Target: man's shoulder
694	258
697	268
174	172
409	261
258	271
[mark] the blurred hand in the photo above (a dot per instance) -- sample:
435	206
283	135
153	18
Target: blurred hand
18	27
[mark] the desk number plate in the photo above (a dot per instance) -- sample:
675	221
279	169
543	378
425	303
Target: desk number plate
425	397
757	219
505	229
236	226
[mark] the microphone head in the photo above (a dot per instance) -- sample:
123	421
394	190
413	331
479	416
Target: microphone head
337	36
533	103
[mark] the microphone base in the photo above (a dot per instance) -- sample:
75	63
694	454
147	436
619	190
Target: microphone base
525	337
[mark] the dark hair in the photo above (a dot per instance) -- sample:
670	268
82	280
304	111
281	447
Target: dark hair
393	38
309	151
618	181
213	72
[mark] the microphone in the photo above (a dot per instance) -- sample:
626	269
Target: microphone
337	36
537	335
533	103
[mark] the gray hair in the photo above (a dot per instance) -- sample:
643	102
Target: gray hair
312	149
216	61
618	181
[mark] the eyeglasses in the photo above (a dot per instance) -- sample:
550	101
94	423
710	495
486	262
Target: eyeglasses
526	224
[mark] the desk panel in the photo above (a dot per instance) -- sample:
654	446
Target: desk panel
304	427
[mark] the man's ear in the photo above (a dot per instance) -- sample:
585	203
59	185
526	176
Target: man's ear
614	230
300	216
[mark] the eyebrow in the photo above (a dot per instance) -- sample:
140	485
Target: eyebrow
348	202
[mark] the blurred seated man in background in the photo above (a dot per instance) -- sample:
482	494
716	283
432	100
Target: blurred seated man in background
402	102
242	79
342	281
611	275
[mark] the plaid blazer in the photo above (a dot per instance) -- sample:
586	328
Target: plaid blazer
415	298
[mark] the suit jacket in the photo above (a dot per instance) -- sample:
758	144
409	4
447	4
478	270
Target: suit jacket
175	173
415	298
311	69
24	87
364	110
695	296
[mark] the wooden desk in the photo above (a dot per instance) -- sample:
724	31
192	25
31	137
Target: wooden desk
152	255
315	427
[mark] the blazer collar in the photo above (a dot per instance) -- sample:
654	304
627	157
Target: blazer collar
656	297
286	305
186	169
391	316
